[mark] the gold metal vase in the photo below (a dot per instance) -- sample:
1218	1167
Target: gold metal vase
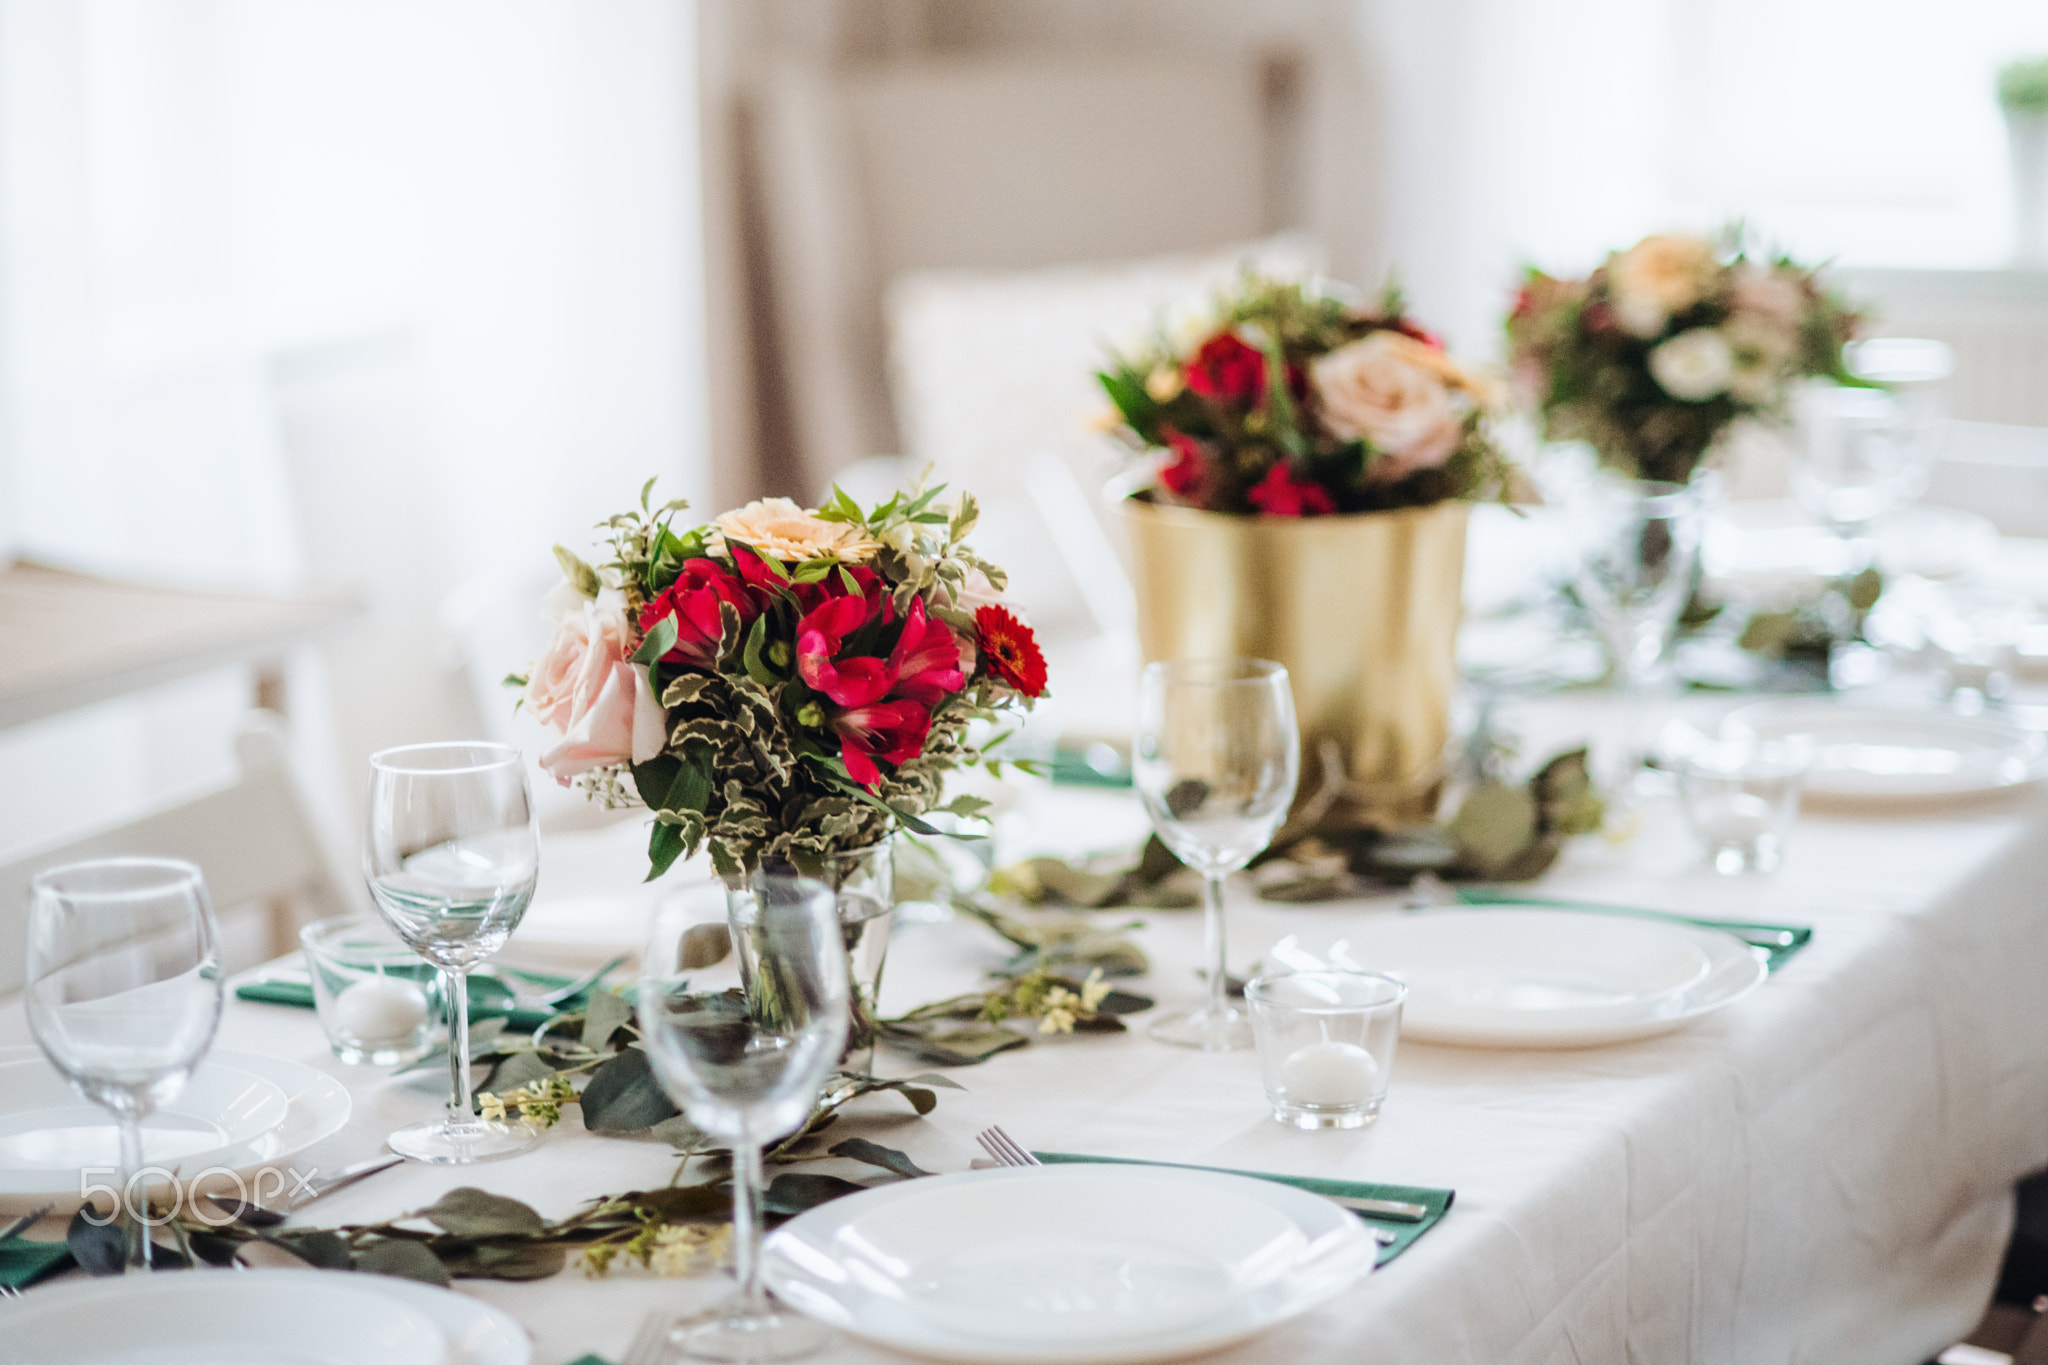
1363	611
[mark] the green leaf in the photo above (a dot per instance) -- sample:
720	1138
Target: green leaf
1494	825
624	1097
953	1045
703	945
751	657
664	846
468	1211
317	1247
660	639
519	1261
519	1069
406	1259
875	1154
604	1013
667	782
793	1193
847	579
578	573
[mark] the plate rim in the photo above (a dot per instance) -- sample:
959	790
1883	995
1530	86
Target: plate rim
2031	746
1351	1241
29	1055
1737	970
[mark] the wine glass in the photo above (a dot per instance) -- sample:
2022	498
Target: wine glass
451	859
1640	542
743	1011
124	994
1216	764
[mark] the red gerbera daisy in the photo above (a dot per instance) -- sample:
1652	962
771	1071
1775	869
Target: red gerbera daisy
1010	649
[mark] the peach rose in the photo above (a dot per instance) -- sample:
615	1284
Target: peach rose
778	527
1394	392
584	688
1657	277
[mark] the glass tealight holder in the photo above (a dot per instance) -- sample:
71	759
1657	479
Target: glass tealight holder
1326	1044
378	1001
1740	795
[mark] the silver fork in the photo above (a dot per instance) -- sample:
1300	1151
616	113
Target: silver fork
1007	1151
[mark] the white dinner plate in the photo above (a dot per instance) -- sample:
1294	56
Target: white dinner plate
316	1106
1882	755
1066	1265
1529	977
477	1333
46	1126
259	1317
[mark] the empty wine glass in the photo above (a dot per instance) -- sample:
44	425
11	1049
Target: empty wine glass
451	859
1640	540
1216	762
742	1036
124	994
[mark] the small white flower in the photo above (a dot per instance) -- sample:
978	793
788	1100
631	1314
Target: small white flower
1693	366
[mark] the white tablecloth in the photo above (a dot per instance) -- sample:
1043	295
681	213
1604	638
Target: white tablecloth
1821	1173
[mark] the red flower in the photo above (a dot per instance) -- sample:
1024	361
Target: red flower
1184	474
1420	333
893	731
926	660
1010	649
1280	494
1225	368
849	682
693	600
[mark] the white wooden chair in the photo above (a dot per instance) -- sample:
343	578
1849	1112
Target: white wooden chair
268	867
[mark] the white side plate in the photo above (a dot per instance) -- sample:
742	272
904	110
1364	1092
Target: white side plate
1066	1265
1879	755
1529	977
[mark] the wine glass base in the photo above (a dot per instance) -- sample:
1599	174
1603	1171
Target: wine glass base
1206	1029
442	1143
732	1331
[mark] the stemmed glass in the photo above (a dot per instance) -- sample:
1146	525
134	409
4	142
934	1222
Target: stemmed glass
1217	759
742	1041
124	994
1641	541
1865	451
451	859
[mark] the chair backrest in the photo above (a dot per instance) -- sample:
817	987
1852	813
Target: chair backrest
253	838
869	173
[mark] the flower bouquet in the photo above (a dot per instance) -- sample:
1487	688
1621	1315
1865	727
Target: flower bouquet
1311	457
1655	354
781	685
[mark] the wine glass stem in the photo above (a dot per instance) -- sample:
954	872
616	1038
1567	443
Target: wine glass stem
461	1109
1212	940
134	1195
746	1222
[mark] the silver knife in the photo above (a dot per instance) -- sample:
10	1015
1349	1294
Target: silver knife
1395	1209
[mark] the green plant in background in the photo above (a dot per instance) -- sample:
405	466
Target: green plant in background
2023	86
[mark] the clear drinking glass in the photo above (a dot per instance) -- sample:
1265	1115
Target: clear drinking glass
1641	540
743	1040
374	997
451	859
124	993
1326	1044
1216	761
1740	795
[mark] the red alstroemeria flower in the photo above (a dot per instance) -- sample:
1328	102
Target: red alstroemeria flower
809	596
893	731
1184	474
1011	650
849	682
1280	494
926	659
693	600
1226	368
1420	333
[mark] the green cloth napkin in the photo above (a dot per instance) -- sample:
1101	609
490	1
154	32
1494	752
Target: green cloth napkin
1438	1202
23	1262
1778	942
488	999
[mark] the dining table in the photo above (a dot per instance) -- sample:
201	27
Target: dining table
1822	1171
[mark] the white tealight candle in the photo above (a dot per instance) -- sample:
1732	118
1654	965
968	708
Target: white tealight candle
1329	1073
381	1010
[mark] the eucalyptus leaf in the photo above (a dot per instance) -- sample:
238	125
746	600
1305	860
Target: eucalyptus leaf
703	945
404	1258
470	1212
1495	823
951	1044
518	1261
604	1013
623	1096
800	1190
875	1154
98	1247
317	1247
519	1069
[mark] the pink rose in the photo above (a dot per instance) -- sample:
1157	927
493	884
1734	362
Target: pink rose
1395	393
583	687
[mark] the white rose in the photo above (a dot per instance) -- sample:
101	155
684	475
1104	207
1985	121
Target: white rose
1394	392
1693	366
1762	355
